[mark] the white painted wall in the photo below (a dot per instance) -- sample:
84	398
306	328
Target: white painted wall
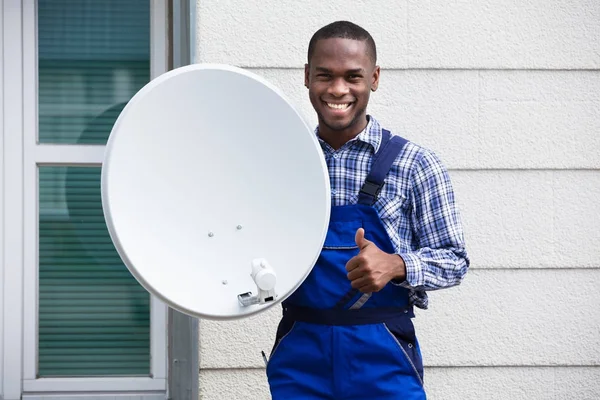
508	94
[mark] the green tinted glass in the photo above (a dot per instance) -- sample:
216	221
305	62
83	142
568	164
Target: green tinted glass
93	57
94	318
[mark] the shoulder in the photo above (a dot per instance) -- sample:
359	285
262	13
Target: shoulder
415	159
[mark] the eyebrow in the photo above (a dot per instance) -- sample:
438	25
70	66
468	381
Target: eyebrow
350	71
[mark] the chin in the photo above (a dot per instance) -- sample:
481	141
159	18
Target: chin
342	125
338	125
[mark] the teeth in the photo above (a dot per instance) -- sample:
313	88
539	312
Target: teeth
339	106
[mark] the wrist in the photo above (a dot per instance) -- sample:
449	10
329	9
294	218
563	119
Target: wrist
399	269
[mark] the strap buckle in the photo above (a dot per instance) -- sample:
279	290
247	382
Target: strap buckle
370	188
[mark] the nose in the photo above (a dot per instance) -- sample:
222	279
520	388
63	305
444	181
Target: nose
338	87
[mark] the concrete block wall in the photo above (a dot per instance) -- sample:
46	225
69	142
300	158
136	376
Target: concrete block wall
508	94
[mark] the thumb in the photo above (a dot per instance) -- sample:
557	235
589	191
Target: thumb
360	240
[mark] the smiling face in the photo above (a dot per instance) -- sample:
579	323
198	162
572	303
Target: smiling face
340	76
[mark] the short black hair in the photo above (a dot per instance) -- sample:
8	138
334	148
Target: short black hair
343	30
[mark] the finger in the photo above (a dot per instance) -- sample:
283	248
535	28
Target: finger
353	263
365	288
355	274
366	285
360	240
361	282
369	289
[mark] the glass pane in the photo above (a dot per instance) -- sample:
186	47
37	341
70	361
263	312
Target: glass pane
94	318
93	57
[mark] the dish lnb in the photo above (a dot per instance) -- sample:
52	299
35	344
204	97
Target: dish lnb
265	279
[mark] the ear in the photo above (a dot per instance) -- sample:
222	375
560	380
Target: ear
306	75
375	78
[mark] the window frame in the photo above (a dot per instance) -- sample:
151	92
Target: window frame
12	113
36	155
11	336
2	204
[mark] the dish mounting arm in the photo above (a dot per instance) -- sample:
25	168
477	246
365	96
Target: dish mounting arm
265	279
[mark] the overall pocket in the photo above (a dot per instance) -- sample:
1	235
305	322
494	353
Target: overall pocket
403	333
339	247
286	326
341	235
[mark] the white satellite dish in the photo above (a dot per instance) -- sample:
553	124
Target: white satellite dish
215	191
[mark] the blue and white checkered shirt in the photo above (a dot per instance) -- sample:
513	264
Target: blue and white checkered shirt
416	206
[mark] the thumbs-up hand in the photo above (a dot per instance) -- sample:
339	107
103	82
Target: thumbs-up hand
372	268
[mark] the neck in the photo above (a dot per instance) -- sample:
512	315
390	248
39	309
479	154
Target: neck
337	138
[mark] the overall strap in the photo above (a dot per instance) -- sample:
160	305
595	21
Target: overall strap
383	160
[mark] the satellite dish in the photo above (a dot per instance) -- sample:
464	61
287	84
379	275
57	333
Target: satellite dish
215	192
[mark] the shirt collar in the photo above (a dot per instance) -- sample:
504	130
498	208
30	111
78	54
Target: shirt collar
370	135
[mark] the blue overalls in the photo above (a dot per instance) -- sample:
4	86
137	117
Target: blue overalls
334	342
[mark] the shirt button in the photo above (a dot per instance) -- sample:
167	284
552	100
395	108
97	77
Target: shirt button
336	156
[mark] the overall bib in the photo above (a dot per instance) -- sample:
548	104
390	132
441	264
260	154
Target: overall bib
335	342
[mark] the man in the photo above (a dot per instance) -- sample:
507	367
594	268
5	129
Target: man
394	234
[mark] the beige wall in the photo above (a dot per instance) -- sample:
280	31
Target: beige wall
508	94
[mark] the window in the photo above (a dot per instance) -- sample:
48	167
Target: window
93	317
88	325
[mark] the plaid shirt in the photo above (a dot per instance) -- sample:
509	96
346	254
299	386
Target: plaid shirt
416	206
